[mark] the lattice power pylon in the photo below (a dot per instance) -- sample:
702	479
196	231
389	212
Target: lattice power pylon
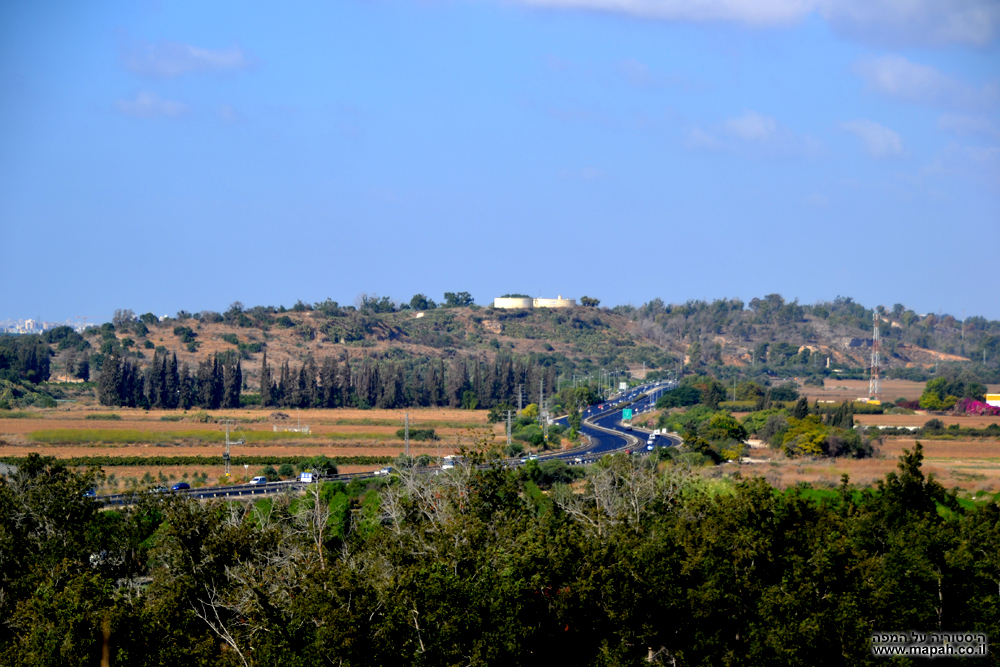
875	382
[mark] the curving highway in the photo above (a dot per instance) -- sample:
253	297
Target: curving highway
601	425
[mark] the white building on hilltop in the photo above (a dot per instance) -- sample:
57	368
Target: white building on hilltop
525	302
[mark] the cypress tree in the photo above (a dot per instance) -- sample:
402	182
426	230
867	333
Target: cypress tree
801	410
185	390
172	384
284	385
138	380
347	384
206	384
218	384
311	389
328	380
229	387
265	383
110	383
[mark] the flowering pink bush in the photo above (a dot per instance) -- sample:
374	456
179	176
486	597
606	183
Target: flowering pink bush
978	408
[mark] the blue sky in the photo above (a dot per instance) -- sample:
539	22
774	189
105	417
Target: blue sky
166	156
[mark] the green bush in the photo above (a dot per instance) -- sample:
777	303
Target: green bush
419	434
111	417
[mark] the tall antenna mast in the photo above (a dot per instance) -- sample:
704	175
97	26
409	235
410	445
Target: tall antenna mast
225	455
875	382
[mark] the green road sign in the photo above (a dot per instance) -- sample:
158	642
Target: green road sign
627	414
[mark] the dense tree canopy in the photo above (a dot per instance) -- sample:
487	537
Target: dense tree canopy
643	565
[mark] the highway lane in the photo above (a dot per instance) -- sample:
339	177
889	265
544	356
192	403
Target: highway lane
600	424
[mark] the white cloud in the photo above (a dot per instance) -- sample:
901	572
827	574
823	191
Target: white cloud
151	105
886	22
165	60
880	141
753	12
902	22
752	126
902	79
698	139
752	132
968	125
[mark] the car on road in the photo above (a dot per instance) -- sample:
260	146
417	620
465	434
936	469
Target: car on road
90	493
180	486
650	448
259	479
384	471
529	457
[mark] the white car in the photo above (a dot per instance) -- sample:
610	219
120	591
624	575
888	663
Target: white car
384	471
260	479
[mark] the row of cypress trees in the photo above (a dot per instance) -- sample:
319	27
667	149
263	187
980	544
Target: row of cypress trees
216	383
368	383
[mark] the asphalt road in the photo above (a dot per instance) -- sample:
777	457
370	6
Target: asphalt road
607	435
600	424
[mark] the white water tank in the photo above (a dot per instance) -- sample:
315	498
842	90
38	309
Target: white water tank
558	302
511	302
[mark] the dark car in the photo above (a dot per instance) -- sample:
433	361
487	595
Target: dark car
180	486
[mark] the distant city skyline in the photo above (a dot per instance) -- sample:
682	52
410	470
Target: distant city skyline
162	156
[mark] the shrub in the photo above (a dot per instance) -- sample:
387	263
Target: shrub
419	434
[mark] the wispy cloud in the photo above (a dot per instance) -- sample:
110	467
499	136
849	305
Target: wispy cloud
752	126
966	125
884	22
901	79
642	76
151	105
817	200
698	139
880	141
166	60
753	131
228	114
924	22
586	174
754	12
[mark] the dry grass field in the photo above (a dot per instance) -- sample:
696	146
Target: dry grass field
971	465
836	389
66	433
